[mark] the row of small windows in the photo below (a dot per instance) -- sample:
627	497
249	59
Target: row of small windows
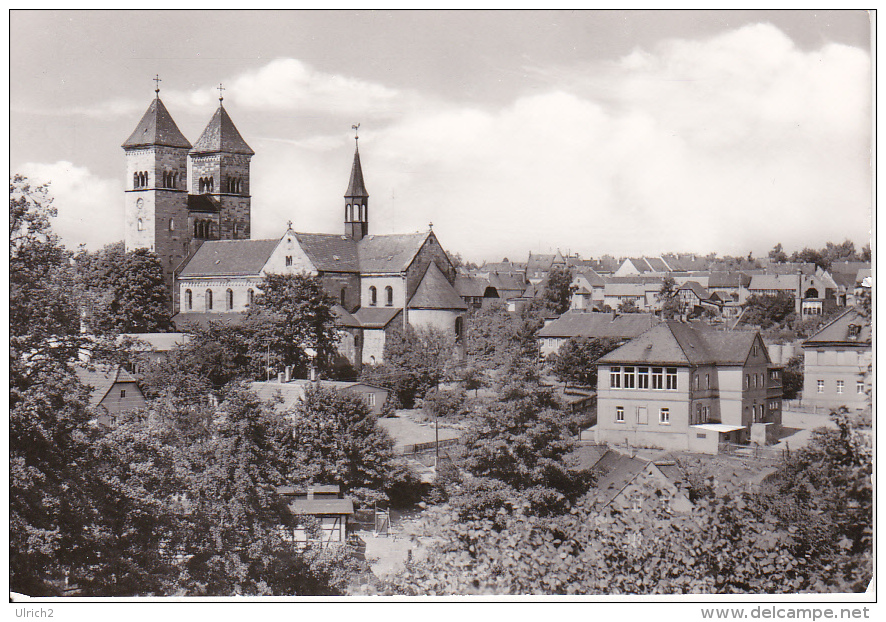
207	299
203	228
664	415
234	185
355	213
170	179
859	386
140	179
758	381
638	378
389	296
206	184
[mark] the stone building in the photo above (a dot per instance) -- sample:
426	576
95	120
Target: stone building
192	207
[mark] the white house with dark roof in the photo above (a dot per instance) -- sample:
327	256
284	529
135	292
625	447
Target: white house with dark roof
686	387
837	364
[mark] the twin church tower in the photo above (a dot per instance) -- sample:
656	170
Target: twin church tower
179	195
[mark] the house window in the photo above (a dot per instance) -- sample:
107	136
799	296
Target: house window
657	378
141	224
208	300
696	381
373	296
122	392
642	377
288	260
619	414
389	296
229	299
839	386
342	296
755	350
615	377
820	386
755	381
664	416
773	375
747	381
629	377
859	387
249	296
707	380
671	378
189	299
370	399
705	411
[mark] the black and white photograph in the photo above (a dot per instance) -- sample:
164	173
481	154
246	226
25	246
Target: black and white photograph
386	306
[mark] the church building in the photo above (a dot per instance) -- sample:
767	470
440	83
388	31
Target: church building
191	205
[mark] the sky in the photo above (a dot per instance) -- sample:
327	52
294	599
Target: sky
589	132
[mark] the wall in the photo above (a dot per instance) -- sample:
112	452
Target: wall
440	319
430	251
240	287
397	282
373	346
334	282
832	364
289	247
114	404
652	434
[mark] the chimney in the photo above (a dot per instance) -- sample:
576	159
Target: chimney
288	374
280	377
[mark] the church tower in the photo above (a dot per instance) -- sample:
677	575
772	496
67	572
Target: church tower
220	180
156	203
356	200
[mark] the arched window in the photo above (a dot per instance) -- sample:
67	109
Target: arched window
229	299
249	295
348	213
141	224
135	183
211	184
342	296
171	224
189	300
196	228
389	296
459	327
174	180
209	300
372	297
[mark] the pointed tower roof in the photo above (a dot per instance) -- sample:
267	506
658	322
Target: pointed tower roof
356	187
221	135
156	128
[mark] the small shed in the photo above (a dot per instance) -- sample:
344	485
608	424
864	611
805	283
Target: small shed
705	438
323	503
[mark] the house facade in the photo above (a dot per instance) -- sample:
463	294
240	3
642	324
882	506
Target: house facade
591	326
837	364
112	391
669	385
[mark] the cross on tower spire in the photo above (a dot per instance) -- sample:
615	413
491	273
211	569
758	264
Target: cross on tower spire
157	82
220	89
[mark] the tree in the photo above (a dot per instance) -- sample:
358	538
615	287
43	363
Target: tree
292	314
416	360
777	254
766	311
667	295
576	360
809	530
792	378
124	292
628	306
866	252
43	317
491	335
557	291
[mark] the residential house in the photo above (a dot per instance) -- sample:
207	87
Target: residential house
154	347
845	275
631	483
112	390
814	294
592	326
688	387
475	291
643	291
730	285
643	266
587	292
538	266
324	503
695	299
286	393
837	364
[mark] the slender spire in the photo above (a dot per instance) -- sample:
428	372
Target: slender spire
221	135
156	128
356	186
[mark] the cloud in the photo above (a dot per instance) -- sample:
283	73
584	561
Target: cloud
728	144
90	209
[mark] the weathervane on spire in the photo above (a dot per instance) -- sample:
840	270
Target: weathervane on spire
157	82
289	226
356	129
220	89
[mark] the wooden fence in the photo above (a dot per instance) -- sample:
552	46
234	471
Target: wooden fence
753	452
423	448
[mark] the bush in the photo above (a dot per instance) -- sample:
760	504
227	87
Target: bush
444	403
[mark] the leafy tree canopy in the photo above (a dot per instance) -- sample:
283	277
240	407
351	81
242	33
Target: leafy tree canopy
576	361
